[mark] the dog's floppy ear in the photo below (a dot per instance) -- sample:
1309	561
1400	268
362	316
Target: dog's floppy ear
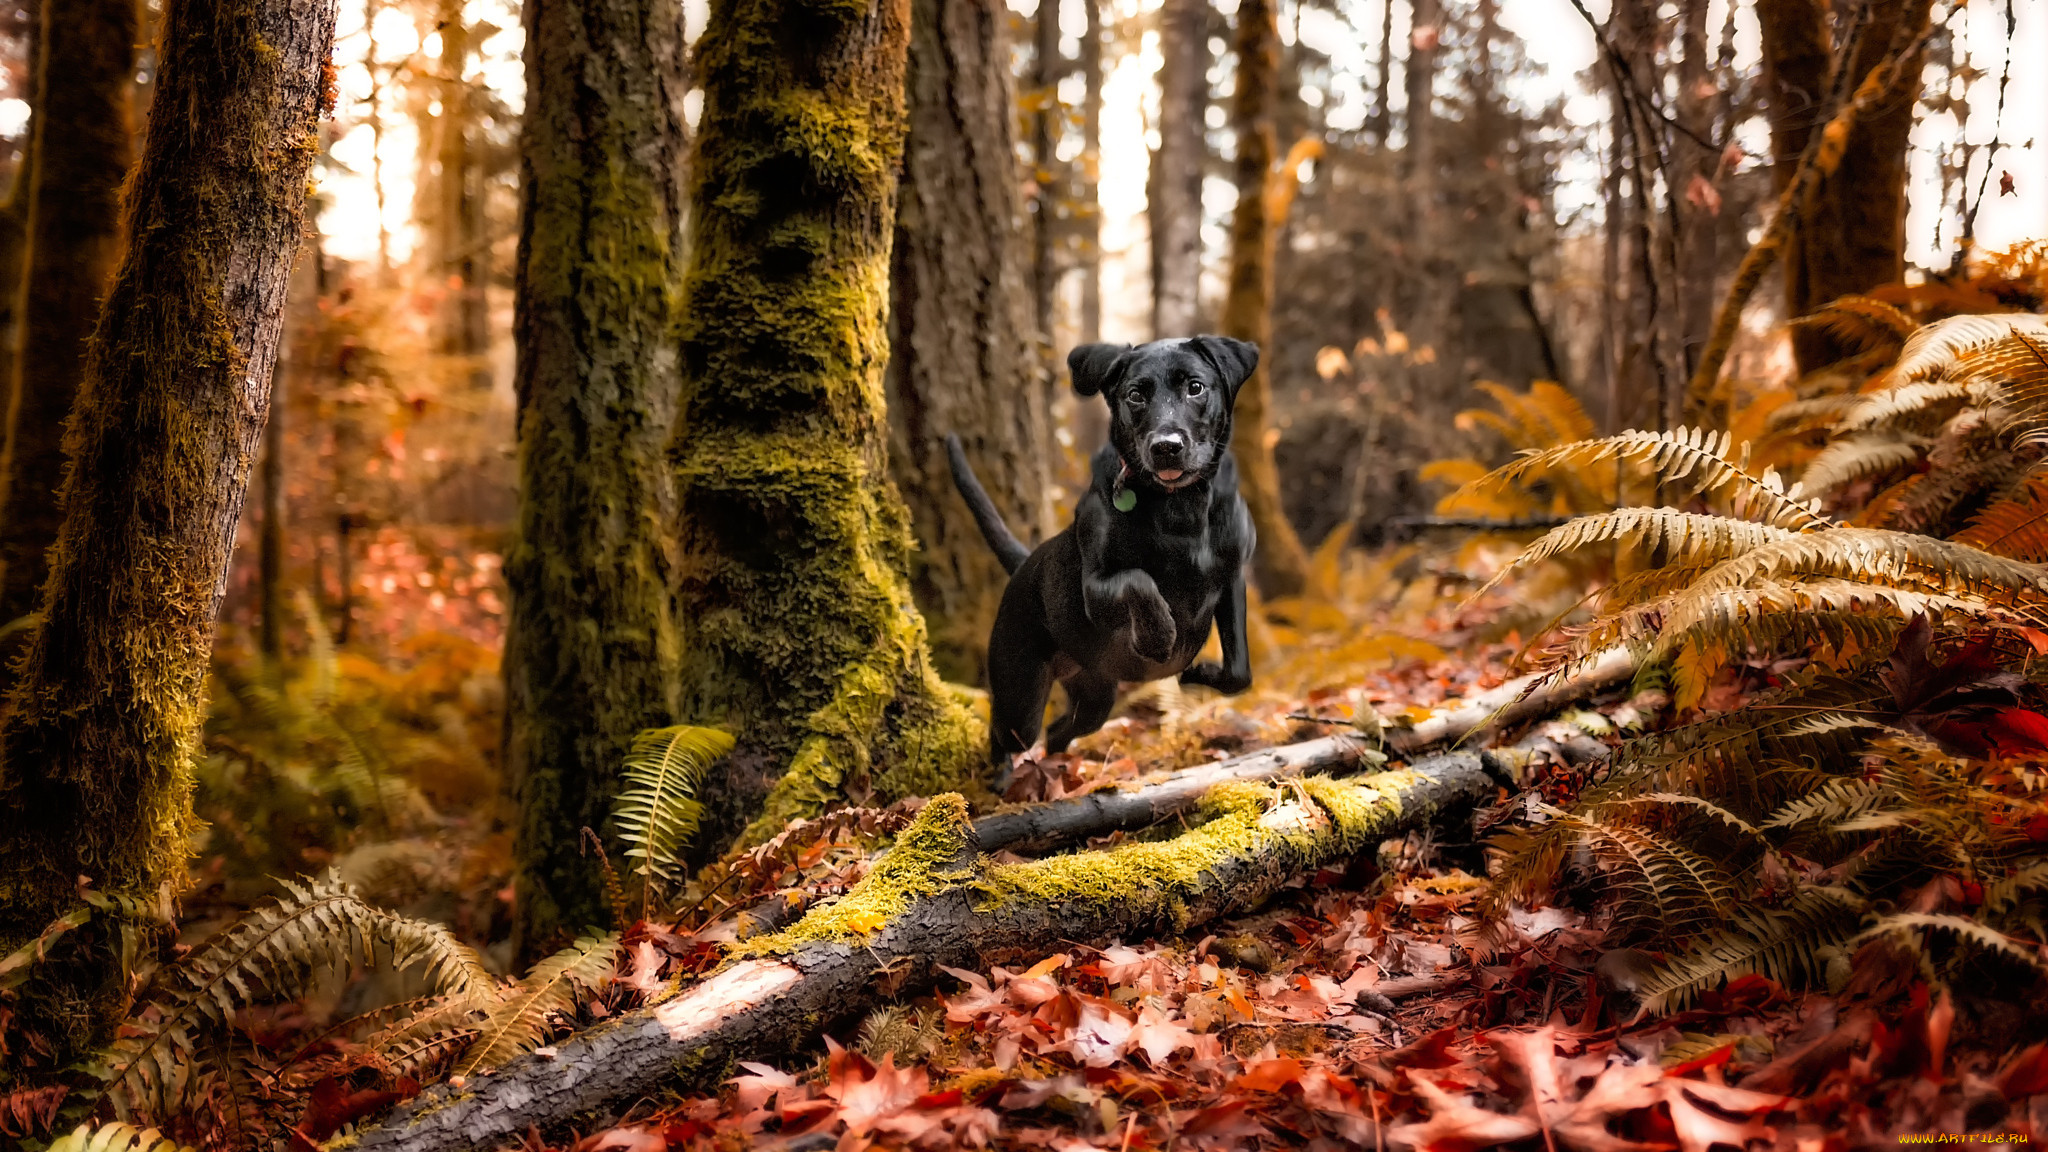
1234	358
1091	366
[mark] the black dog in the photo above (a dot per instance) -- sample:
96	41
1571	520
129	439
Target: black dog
1156	551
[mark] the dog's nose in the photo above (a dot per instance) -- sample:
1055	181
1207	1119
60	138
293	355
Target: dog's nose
1168	448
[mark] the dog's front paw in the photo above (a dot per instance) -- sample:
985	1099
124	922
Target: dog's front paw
1210	674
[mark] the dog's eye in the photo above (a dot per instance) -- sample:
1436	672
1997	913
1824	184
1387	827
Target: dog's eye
1194	388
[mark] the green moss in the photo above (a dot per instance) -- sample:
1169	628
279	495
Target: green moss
802	635
929	857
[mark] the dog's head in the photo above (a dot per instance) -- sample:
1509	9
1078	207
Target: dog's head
1169	401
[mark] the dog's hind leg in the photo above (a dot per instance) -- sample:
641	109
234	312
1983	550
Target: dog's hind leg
1019	681
1090	699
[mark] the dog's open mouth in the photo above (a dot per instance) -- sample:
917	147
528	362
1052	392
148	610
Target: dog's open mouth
1169	475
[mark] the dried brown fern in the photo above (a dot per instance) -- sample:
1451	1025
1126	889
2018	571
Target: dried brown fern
520	1023
271	954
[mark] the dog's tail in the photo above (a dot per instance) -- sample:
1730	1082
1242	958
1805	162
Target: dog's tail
1009	551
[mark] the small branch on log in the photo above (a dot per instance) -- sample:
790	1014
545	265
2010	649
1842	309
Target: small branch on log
1055	822
1521	699
935	900
1043	826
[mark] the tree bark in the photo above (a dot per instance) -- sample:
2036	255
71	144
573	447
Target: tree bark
96	747
1047	177
594	645
1696	165
1850	234
1280	563
802	635
1173	189
1090	207
962	355
959	910
71	240
460	247
1418	76
1379	122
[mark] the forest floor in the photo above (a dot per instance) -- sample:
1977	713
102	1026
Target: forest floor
1368	1007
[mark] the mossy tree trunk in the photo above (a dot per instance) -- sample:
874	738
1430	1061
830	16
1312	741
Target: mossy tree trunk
1280	563
95	750
1850	235
591	657
71	238
801	633
962	355
1173	188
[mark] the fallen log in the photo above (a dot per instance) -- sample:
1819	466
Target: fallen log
935	900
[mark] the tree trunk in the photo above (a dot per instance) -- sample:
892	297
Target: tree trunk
1280	563
459	235
103	721
1091	174
1696	166
1047	179
940	903
1850	235
13	255
1173	188
71	241
1379	122
593	650
271	527
962	356
802	635
1425	23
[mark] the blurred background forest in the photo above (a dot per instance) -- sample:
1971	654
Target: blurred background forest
1484	194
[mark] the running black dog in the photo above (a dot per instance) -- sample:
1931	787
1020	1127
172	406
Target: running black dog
1156	552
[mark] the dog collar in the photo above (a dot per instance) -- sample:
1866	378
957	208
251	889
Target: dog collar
1123	499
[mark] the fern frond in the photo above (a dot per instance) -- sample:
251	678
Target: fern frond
2016	527
271	954
1862	322
2001	896
1969	348
1856	458
1694	459
1920	403
1832	803
115	1137
519	1024
1911	925
658	812
1610	808
1776	943
1679	537
1666	886
1880	557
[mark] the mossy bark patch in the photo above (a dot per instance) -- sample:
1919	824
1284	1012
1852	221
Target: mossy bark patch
800	631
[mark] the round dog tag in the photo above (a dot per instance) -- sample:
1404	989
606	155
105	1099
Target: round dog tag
1125	500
